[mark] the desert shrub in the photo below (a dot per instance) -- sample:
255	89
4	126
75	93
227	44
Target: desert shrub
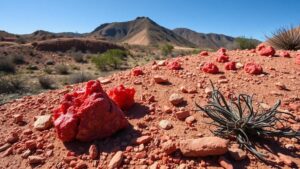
48	70
32	67
285	38
246	43
46	82
62	69
11	84
110	59
78	57
80	77
166	49
18	59
6	65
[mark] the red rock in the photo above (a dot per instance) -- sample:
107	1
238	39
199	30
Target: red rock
204	146
265	50
297	61
203	53
222	59
137	72
190	120
167	109
230	66
93	152
30	144
237	154
81	165
253	68
285	54
169	147
210	68
18	118
87	115
182	114
123	97
12	138
222	51
160	79
36	159
143	139
225	163
175	65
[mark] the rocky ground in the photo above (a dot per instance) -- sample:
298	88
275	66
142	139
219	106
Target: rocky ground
164	121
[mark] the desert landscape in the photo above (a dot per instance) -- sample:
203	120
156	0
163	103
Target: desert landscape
138	95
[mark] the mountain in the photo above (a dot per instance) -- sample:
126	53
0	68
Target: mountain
202	40
141	31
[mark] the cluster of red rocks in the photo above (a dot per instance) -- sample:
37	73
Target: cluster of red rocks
170	135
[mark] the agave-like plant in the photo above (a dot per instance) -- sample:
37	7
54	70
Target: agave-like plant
285	38
239	119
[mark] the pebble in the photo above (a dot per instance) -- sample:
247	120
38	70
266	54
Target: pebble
160	79
280	86
190	120
43	122
143	139
165	124
176	99
169	147
116	160
182	114
18	118
5	146
93	152
225	163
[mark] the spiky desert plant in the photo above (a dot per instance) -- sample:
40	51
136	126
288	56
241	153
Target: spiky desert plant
287	38
239	119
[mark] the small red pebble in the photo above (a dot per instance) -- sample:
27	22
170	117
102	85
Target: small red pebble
137	72
230	66
222	50
210	68
253	68
203	53
175	65
285	54
123	97
264	50
298	59
222	58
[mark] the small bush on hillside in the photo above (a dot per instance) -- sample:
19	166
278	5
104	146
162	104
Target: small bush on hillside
11	84
6	65
78	57
62	69
48	70
285	38
166	49
18	59
111	59
80	77
46	82
245	43
32	67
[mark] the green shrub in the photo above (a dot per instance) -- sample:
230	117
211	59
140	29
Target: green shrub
62	69
285	38
7	65
78	57
11	84
46	82
166	49
111	59
48	70
80	77
246	43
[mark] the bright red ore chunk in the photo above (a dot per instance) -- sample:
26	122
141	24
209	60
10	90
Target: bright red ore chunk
88	114
210	68
175	65
253	68
123	97
264	50
222	58
137	72
230	66
203	53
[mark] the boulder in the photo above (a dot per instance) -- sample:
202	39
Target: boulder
88	114
265	50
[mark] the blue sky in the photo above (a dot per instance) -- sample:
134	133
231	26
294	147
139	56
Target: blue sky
251	18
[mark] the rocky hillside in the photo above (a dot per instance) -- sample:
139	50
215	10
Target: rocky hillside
202	40
142	31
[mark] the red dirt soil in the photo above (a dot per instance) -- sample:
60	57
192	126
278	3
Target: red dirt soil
152	105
